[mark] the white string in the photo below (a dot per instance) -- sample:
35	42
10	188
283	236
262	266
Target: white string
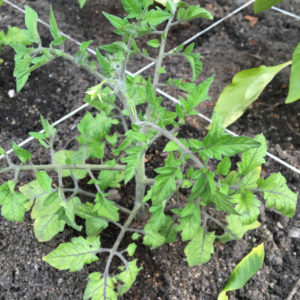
158	90
286	12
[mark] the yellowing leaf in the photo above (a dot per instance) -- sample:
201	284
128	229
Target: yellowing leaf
247	267
245	88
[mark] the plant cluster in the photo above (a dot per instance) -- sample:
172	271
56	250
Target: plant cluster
112	145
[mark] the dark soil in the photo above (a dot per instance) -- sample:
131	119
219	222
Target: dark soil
58	88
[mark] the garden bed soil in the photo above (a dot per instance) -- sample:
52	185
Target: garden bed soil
58	88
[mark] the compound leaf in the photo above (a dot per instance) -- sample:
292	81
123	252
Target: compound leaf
245	269
75	254
278	195
200	248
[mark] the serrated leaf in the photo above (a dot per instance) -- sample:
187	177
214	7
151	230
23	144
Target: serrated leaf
153	239
23	155
261	5
190	221
99	288
106	208
105	65
58	38
156	16
169	230
245	88
93	223
236	229
253	158
115	21
13	203
131	160
294	87
248	207
245	269
200	248
110	178
195	63
278	195
224	203
193	12
227	145
31	24
128	277
75	254
224	166
133	8
44	180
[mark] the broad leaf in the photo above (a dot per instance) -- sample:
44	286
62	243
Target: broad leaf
156	16
278	195
236	229
23	154
200	248
245	88
261	5
153	239
133	8
253	158
224	166
13	203
44	181
106	208
75	254
224	202
294	86
246	268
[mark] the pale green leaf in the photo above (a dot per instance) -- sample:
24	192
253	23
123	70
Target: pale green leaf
75	254
132	7
224	166
245	269
294	86
199	249
106	208
13	203
81	3
156	16
235	228
131	249
245	88
58	38
224	203
128	277
278	195
153	239
100	288
23	155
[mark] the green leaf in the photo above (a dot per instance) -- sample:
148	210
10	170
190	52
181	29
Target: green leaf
169	230
115	21
81	3
158	218
75	254
190	221
13	203
153	239
224	166
44	180
128	277
22	154
253	158
261	5
294	87
248	207
199	95
193	12
131	160
154	43
200	248
58	38
100	288
227	145
105	65
15	35
245	88
245	269
278	195
164	185
133	8
93	223
110	178
195	63
224	203
235	228
31	24
106	208
131	249
2	151
156	16
47	217
62	157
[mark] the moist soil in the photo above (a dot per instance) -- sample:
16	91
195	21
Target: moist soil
58	88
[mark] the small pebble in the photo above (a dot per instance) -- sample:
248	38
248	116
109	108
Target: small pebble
11	93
